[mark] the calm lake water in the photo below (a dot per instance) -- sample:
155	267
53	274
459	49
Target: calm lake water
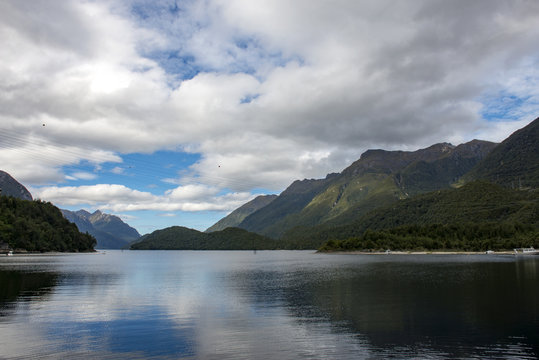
268	305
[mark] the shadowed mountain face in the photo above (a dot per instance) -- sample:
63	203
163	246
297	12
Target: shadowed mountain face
109	230
236	217
11	187
515	162
423	176
378	178
272	219
501	190
477	203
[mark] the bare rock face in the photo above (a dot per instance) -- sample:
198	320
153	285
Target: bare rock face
109	230
11	187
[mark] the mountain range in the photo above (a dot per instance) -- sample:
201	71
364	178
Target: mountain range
479	188
382	185
109	230
378	178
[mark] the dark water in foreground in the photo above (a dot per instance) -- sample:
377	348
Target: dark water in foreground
269	305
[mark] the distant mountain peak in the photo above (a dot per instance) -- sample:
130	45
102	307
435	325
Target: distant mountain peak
83	213
385	161
109	230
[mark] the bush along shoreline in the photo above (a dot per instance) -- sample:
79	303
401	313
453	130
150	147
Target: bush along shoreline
468	237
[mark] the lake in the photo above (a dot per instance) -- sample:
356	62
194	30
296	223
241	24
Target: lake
268	305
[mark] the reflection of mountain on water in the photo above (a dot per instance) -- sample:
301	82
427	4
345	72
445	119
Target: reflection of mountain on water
455	309
527	268
24	286
394	304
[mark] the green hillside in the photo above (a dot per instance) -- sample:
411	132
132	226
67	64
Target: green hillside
182	238
386	177
424	176
273	219
476	203
39	226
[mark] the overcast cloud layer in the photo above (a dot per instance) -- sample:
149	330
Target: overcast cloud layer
265	91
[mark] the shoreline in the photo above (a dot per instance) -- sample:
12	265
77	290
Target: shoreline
356	252
47	253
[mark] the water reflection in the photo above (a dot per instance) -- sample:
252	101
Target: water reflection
272	305
455	309
399	305
21	286
527	268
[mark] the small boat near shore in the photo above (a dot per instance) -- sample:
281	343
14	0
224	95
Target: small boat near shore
526	251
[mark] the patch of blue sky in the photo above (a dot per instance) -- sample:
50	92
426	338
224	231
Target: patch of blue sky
245	53
253	191
181	66
168	17
254	46
503	106
249	98
185	66
145	10
250	55
264	191
143	172
146	221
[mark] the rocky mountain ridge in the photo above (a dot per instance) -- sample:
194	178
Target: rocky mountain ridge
11	187
378	177
109	230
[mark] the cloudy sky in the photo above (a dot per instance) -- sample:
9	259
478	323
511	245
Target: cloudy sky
176	112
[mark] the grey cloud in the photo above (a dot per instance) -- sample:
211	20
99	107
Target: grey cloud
327	80
49	24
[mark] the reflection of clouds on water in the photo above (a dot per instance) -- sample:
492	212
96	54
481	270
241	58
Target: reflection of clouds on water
190	306
235	305
235	319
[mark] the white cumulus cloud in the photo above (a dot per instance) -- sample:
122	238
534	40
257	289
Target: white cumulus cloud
265	91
